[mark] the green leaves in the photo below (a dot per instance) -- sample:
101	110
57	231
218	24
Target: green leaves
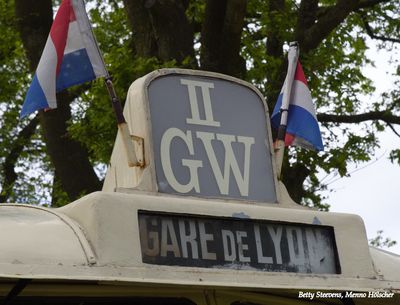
380	241
334	71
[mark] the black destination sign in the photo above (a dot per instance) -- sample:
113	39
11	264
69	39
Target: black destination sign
181	240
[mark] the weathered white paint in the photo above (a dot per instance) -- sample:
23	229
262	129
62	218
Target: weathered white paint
109	222
137	114
96	238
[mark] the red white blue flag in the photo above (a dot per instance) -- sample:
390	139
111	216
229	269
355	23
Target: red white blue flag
302	125
70	57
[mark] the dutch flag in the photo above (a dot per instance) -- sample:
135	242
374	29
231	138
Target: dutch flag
70	57
302	125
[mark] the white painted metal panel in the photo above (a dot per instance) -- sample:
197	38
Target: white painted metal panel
233	98
104	227
33	235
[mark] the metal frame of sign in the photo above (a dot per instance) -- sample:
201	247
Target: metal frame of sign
189	240
138	116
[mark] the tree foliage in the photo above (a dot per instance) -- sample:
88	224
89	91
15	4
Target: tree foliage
61	154
380	241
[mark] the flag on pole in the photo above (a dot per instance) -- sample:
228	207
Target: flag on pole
70	57
302	125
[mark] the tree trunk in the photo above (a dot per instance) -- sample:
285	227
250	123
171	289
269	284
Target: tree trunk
221	37
293	178
68	156
8	169
275	72
140	23
161	29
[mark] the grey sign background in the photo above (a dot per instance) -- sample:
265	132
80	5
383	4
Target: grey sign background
240	112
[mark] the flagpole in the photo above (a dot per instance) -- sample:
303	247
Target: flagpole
123	127
293	56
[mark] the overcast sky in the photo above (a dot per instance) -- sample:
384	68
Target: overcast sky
373	190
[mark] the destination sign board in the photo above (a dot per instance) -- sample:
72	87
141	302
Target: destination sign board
182	240
210	138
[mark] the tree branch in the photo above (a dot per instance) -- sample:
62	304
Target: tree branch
384	116
393	129
8	168
307	17
323	10
309	38
328	19
370	3
370	31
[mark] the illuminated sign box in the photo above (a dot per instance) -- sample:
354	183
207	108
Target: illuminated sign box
195	241
210	137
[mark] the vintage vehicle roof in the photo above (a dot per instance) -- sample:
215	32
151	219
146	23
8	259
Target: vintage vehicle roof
36	235
97	238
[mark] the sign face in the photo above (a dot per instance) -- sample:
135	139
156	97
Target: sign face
210	138
181	240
